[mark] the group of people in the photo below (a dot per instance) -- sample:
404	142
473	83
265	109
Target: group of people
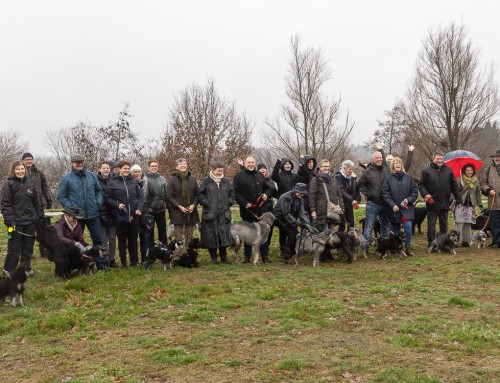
121	202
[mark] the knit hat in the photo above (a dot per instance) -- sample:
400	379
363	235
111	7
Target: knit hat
112	164
261	166
26	155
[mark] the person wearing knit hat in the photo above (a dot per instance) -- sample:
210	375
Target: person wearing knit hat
261	166
38	178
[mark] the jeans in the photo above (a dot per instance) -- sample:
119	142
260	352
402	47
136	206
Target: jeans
372	211
407	228
108	235
495	226
432	217
20	246
94	226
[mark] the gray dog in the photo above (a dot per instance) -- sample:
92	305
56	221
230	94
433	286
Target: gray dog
310	243
254	234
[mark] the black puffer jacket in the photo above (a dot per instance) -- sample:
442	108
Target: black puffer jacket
20	202
285	180
370	183
105	212
396	188
440	183
156	193
248	186
124	190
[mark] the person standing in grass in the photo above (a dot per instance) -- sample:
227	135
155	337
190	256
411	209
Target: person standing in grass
108	227
346	179
490	186
465	216
216	195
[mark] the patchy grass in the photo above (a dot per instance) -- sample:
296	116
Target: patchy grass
426	319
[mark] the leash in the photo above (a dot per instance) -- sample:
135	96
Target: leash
489	214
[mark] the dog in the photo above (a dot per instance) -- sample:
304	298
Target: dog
360	242
14	284
163	253
445	242
314	243
188	258
479	237
254	234
483	223
376	226
393	244
420	214
348	243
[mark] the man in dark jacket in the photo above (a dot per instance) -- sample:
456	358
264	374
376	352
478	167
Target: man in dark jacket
251	193
108	227
490	186
38	178
283	176
155	195
307	168
437	184
370	184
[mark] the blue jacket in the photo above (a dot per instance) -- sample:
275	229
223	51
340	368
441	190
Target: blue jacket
81	189
396	188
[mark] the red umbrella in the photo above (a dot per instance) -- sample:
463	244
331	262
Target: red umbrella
457	159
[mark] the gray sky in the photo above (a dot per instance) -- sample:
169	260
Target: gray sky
69	61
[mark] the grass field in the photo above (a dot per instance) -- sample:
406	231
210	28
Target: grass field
426	319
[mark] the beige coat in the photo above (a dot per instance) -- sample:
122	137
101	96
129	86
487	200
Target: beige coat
490	180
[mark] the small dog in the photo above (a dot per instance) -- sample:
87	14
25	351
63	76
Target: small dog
376	226
481	221
253	234
348	244
445	242
360	242
163	253
188	258
393	244
315	244
13	285
479	237
420	214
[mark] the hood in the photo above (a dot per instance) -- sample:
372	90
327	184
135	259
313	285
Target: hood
308	157
283	161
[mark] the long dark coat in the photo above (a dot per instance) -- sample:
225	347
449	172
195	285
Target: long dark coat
317	197
440	183
248	186
216	214
396	188
174	199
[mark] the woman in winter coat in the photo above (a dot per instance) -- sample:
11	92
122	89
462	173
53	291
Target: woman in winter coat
318	201
351	196
216	195
400	193
182	191
108	227
20	209
470	190
125	197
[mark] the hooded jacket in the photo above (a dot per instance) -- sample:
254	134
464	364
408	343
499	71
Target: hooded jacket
285	180
305	175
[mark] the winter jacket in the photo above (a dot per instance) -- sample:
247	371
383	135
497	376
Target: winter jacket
304	174
440	183
20	203
155	192
473	194
81	189
248	186
396	188
285	180
124	190
349	188
41	187
291	210
490	180
105	211
68	236
216	200
317	197
174	199
370	183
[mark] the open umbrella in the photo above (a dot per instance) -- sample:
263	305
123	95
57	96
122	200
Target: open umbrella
457	159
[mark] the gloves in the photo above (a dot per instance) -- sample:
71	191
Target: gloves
88	247
80	247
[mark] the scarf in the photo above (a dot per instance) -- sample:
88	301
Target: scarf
469	181
216	179
325	176
342	171
71	227
185	196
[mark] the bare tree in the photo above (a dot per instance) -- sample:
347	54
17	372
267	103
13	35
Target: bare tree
450	99
309	122
204	126
11	149
390	132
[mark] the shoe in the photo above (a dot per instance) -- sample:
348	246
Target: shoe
113	264
495	246
246	260
30	272
124	266
465	244
408	252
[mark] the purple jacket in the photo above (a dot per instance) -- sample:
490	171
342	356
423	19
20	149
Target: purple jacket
67	236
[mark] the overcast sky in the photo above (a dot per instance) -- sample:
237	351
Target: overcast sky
68	61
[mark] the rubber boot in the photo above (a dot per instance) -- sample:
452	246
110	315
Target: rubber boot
213	256
223	256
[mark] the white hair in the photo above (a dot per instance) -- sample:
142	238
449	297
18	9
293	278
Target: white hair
135	167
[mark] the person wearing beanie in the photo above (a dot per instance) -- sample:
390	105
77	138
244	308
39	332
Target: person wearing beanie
38	179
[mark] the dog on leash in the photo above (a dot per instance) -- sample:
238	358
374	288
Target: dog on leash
254	234
482	222
445	242
14	284
315	244
420	214
188	258
393	244
479	237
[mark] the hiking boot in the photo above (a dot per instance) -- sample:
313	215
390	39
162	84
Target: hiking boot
408	252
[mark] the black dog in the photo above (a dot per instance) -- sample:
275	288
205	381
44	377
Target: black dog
481	221
188	258
348	244
376	226
420	214
163	253
13	284
393	244
445	242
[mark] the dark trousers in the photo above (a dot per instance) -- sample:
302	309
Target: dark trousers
495	226
94	226
290	234
20	247
432	217
143	241
127	238
161	226
347	217
222	254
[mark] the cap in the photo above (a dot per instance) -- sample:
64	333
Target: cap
77	158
